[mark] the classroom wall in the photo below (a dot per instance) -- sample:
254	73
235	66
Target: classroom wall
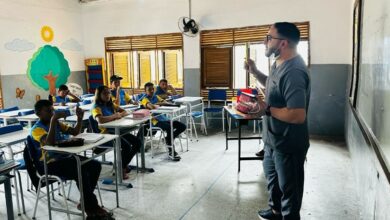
21	22
371	114
330	39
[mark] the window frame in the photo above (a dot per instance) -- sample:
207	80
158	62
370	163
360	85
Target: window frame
169	41
230	32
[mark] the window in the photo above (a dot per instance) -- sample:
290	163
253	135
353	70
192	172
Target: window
240	41
216	67
143	59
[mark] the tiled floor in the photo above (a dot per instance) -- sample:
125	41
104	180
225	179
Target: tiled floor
205	185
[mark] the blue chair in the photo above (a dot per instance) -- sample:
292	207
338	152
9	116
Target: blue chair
30	112
86	96
36	172
139	97
6	130
10	128
14	108
9	109
215	95
86	102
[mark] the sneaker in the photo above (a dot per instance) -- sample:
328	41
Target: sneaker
99	214
269	215
170	152
177	158
260	154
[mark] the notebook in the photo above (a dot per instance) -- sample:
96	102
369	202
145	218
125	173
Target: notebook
90	138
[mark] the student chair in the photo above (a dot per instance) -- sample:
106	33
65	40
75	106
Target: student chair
94	127
86	102
215	95
6	130
36	173
82	97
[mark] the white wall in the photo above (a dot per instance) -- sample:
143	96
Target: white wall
24	19
330	22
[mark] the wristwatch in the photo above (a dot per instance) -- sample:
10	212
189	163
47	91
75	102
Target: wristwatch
268	111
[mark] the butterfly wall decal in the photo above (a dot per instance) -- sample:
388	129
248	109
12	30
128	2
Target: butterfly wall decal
20	93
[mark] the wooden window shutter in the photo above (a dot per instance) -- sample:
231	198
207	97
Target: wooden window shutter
121	67
169	41
171	68
117	44
143	42
144	67
250	34
304	29
243	35
216	67
216	37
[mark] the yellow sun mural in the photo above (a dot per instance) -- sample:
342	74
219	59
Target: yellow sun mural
47	33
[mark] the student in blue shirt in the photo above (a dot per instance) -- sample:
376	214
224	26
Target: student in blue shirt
103	111
151	101
164	90
64	96
119	96
48	130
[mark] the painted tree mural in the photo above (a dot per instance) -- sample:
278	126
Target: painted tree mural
48	68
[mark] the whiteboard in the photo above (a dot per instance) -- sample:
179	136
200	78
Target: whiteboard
373	100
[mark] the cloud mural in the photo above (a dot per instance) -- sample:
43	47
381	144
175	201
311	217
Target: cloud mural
72	44
19	45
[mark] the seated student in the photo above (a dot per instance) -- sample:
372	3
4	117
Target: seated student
62	97
48	130
163	88
151	101
103	111
119	96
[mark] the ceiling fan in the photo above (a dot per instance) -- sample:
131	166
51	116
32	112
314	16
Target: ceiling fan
187	25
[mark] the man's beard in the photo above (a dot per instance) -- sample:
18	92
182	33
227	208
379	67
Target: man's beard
272	51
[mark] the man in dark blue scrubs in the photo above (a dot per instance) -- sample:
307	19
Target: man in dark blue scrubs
285	129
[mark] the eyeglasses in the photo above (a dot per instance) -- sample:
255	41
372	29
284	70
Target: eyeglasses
269	38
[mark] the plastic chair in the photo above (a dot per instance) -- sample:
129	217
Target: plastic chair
6	130
32	150
86	95
215	95
86	102
94	127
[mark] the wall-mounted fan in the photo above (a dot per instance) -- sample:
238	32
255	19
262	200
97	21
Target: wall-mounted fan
187	25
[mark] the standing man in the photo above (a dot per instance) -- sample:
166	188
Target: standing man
118	95
285	129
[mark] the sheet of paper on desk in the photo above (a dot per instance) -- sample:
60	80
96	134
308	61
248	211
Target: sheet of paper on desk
90	137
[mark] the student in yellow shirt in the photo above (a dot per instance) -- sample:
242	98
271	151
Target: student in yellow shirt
48	131
119	96
164	89
64	96
152	101
103	111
